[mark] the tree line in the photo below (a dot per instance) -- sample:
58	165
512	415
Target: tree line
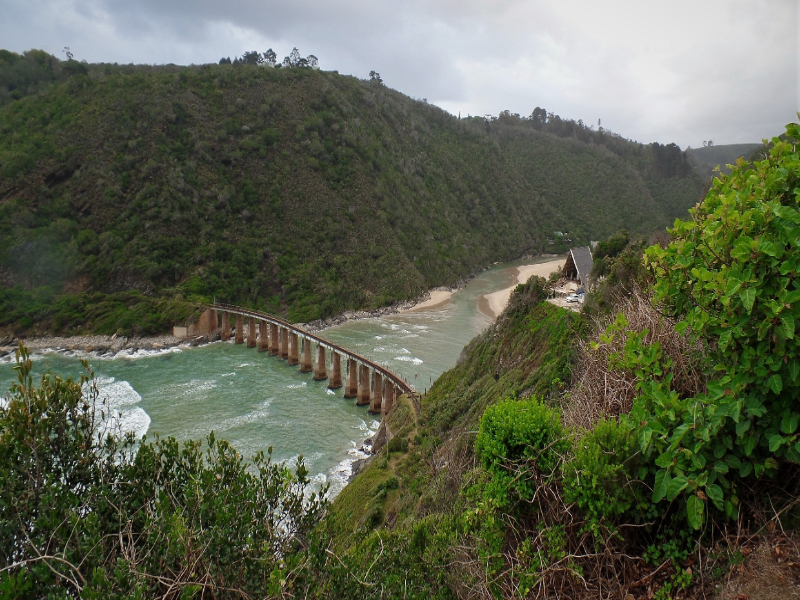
270	59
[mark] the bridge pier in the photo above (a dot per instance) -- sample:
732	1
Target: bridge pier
274	342
251	333
388	397
335	381
351	385
321	368
225	331
293	351
239	338
263	336
305	363
363	386
377	393
284	343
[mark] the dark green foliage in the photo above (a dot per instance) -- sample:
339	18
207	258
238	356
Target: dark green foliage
85	512
612	246
33	71
617	276
708	158
296	191
405	563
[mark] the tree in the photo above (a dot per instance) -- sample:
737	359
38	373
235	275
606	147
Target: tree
375	77
539	117
269	58
225	61
313	61
731	280
251	58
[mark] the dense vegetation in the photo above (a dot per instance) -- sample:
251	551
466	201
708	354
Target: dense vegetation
128	194
636	458
86	512
682	408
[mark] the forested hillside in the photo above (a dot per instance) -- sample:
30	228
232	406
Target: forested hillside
129	193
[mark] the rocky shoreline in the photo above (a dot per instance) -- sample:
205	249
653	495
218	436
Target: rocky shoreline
105	346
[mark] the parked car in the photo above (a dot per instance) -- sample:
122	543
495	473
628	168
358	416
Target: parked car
575	298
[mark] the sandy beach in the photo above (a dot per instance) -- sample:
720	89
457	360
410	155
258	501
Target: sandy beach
493	304
438	297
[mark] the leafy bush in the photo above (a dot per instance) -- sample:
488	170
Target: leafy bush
520	443
601	477
730	279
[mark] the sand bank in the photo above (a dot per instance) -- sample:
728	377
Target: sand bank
493	304
438	297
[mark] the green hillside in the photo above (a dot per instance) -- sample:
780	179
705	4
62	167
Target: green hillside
129	193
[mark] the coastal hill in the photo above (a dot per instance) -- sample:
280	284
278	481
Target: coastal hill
129	194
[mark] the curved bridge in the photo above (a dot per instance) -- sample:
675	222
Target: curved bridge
280	338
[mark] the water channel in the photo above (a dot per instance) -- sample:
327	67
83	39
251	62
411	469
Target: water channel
256	401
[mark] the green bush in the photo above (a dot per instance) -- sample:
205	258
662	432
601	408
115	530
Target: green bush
520	443
730	278
601	477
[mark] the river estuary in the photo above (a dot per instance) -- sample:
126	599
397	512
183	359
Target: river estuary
256	401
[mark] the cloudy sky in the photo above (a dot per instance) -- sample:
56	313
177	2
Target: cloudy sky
668	71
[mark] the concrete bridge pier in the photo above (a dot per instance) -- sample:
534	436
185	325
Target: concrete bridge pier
377	393
263	336
294	354
284	343
305	362
351	385
388	397
274	342
321	367
363	386
335	382
225	331
239	339
251	333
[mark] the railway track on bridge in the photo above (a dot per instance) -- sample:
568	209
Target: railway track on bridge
281	338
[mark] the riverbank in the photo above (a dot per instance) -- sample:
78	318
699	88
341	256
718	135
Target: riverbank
105	346
495	303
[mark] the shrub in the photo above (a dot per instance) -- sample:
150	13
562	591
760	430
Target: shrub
601	477
730	279
520	443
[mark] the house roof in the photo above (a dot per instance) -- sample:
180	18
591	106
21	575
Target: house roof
582	259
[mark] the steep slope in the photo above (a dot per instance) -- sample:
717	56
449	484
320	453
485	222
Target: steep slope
129	193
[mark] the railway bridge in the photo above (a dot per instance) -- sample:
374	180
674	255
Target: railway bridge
365	380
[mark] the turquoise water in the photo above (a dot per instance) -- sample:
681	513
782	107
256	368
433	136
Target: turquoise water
256	401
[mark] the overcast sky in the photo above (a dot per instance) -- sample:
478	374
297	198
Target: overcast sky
669	71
